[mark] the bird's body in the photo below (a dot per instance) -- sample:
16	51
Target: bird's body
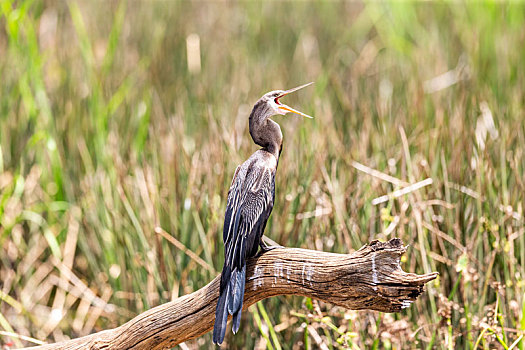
250	202
251	196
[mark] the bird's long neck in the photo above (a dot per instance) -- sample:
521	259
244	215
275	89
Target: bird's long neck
264	131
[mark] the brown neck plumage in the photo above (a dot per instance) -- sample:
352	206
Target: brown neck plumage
264	131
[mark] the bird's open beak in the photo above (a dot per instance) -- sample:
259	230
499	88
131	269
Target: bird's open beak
288	108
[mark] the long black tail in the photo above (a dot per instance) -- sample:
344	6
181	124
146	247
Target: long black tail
231	297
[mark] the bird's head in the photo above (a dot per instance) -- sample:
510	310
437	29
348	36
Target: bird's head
271	99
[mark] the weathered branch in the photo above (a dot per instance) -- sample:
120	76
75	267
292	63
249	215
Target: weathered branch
370	278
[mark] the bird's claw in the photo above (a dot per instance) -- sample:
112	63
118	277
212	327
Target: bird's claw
266	248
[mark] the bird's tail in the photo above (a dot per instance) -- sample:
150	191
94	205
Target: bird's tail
230	301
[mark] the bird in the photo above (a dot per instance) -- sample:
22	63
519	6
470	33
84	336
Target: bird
249	204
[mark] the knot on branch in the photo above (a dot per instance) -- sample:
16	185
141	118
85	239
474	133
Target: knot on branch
394	243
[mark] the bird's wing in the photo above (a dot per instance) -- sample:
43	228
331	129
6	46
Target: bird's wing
249	201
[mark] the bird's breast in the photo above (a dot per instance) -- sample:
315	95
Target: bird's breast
266	159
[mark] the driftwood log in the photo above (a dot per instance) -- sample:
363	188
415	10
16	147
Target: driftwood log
370	278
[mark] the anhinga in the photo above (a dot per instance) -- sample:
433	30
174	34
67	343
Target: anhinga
250	202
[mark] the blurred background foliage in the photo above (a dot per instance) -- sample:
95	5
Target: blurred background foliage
122	124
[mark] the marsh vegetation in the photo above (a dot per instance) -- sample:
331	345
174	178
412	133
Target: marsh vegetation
121	124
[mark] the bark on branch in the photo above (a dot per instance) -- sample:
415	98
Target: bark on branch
370	278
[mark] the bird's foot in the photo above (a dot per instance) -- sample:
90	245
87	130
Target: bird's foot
266	248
